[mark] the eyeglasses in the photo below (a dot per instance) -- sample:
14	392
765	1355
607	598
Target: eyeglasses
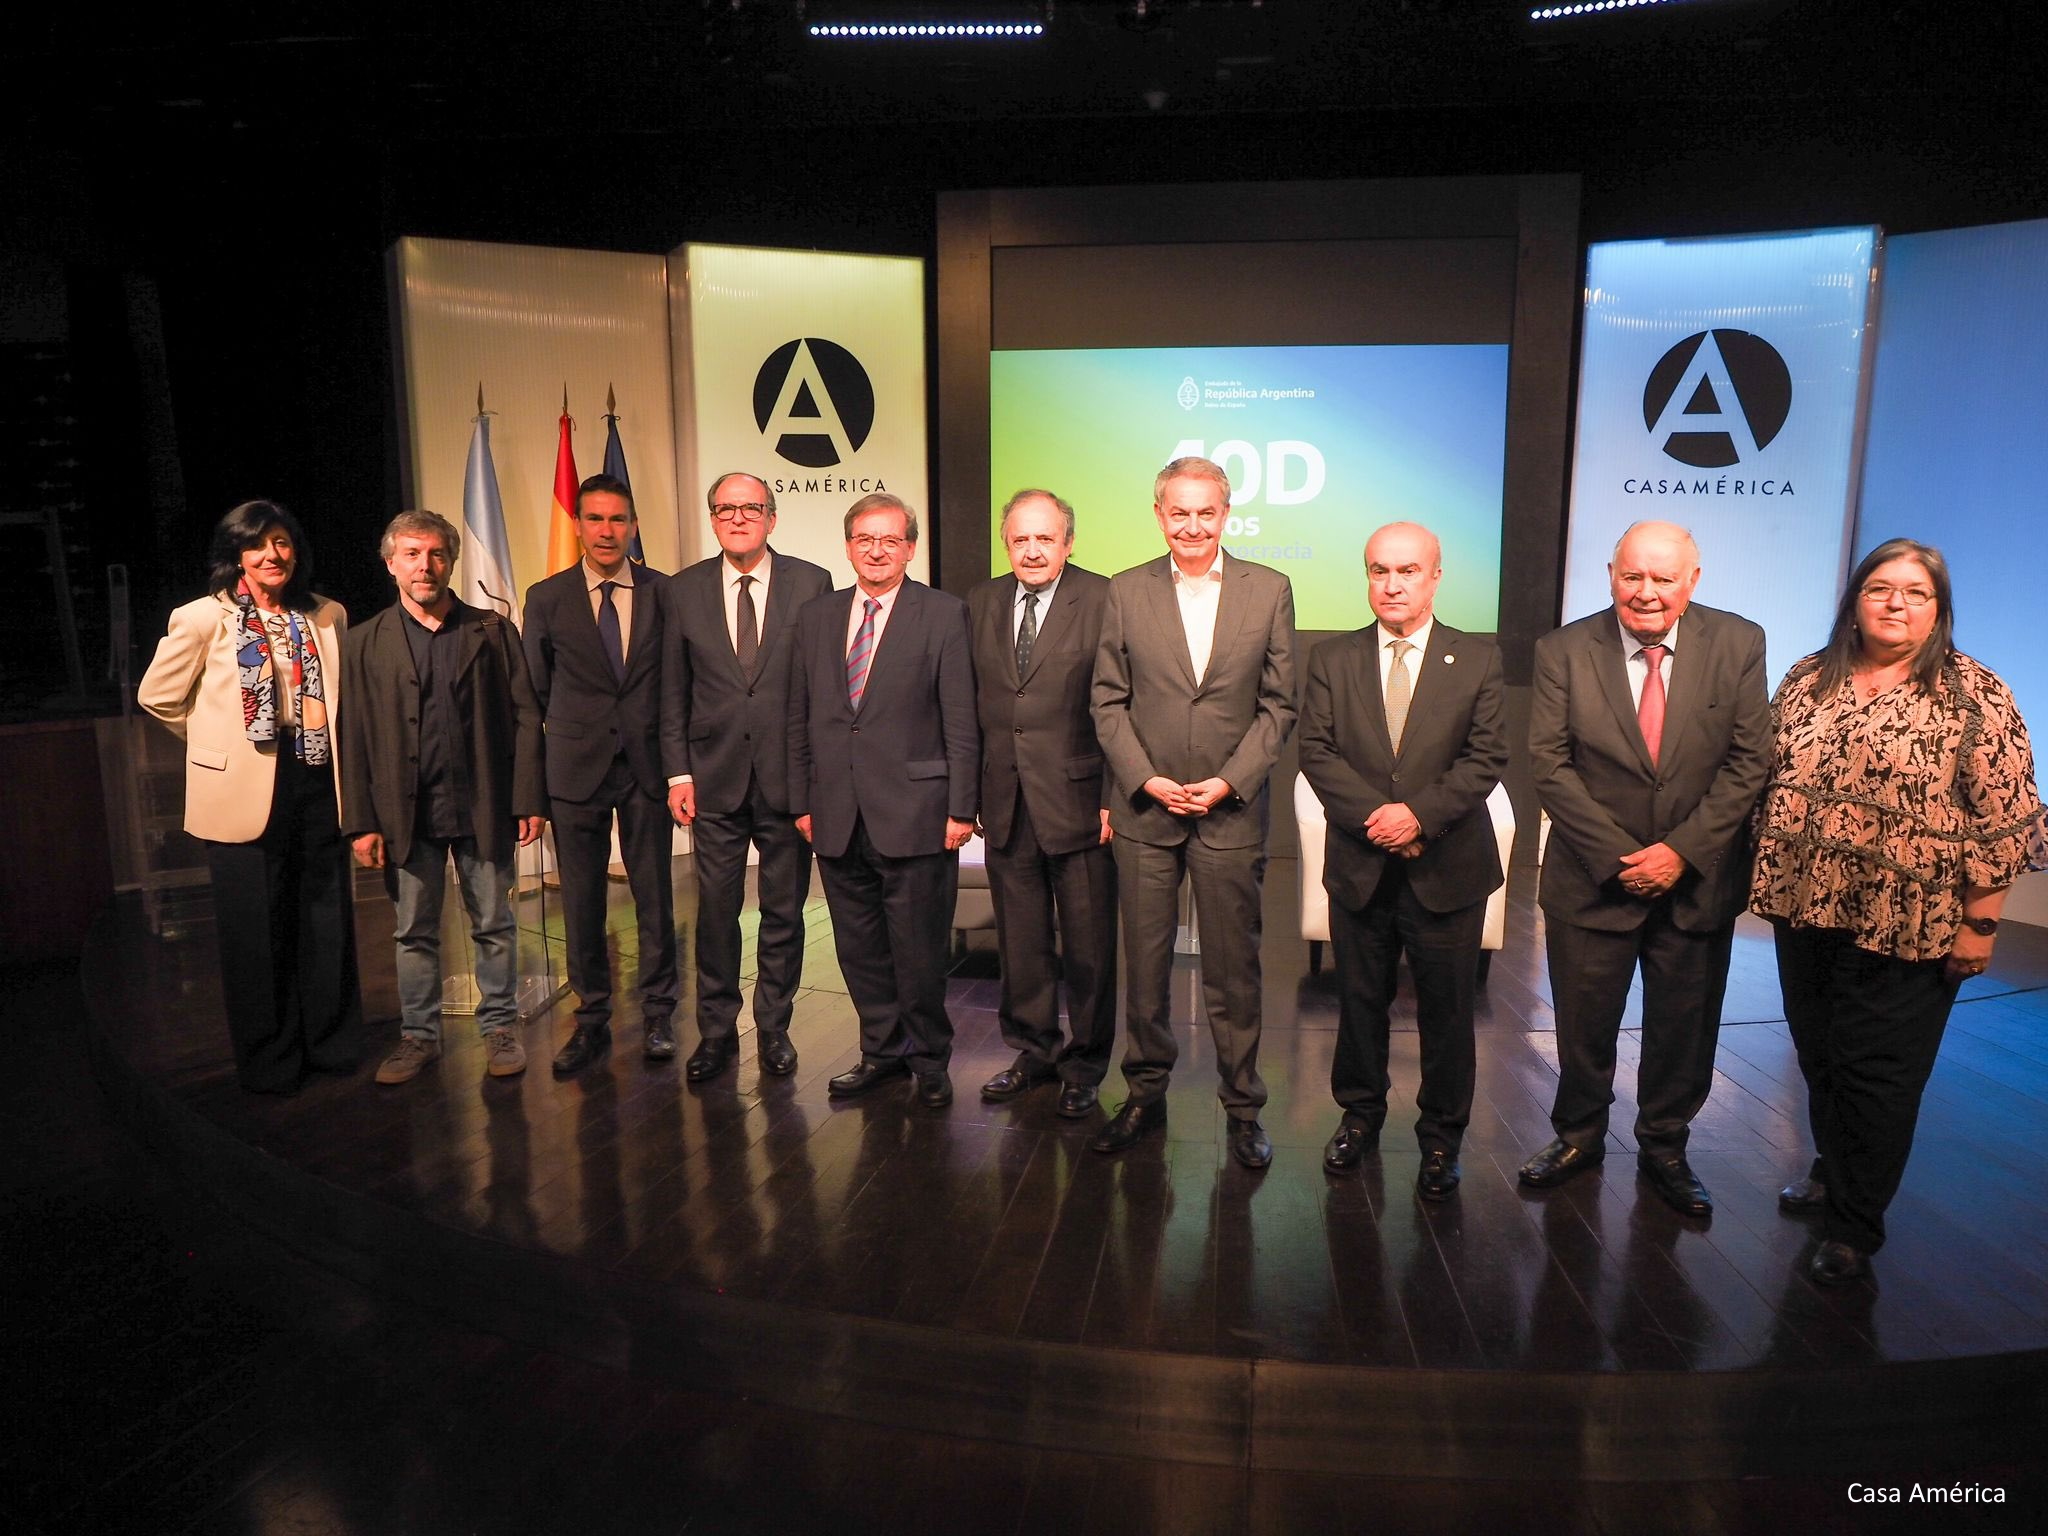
1881	593
887	543
739	511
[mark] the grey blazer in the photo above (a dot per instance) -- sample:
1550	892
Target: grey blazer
1153	718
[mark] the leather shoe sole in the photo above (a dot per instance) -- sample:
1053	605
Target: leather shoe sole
1802	1198
1250	1145
1438	1177
1349	1147
1837	1264
1132	1124
1011	1083
1677	1185
1557	1162
709	1059
1077	1099
860	1079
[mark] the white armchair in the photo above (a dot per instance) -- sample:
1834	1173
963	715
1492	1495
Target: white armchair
1315	901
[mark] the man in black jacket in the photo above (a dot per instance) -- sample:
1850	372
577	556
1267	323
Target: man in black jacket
441	755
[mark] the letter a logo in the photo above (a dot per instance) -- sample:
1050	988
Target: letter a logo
1717	398
814	402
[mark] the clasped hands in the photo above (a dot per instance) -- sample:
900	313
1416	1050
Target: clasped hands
1196	799
1650	872
1396	829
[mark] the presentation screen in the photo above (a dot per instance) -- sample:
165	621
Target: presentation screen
1322	444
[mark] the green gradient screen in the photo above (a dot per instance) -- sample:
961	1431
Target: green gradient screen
1322	445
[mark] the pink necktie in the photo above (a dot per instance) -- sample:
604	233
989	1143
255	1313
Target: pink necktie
1650	708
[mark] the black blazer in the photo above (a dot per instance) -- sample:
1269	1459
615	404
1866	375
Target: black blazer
1605	800
722	729
1453	749
591	717
912	756
499	729
1037	731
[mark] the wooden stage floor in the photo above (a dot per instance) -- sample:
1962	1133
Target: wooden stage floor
978	1271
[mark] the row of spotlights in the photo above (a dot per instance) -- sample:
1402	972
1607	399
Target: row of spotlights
1552	12
947	29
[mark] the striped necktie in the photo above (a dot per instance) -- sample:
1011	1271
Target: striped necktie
861	653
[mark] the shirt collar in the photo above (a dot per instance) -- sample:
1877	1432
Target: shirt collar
731	577
1214	573
1043	594
592	581
1419	637
1631	647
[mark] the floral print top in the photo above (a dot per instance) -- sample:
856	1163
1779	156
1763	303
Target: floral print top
1878	815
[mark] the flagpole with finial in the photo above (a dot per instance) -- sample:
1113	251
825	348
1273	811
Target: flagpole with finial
489	550
563	547
615	466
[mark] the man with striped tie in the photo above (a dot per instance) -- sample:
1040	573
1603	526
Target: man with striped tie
884	771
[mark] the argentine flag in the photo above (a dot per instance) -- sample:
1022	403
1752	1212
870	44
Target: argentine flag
488	551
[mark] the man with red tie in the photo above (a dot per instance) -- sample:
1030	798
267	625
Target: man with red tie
1649	738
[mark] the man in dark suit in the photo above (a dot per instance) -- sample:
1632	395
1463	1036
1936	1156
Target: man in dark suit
1402	738
441	757
1649	736
1042	813
593	645
1194	696
884	764
730	629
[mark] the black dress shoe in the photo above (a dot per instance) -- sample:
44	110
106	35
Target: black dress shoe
660	1044
1132	1123
710	1058
778	1056
860	1079
935	1090
1010	1082
1351	1144
1438	1177
1837	1264
1676	1184
1076	1099
1802	1198
1250	1145
1557	1162
588	1043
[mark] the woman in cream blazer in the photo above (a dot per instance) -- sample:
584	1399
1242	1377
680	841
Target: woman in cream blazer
250	677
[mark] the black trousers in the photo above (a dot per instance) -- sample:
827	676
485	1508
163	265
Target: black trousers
892	927
1685	976
1867	1028
1443	960
1030	888
287	933
720	840
583	844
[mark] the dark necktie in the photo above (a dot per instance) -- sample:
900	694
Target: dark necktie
860	654
1027	633
608	630
1650	708
747	644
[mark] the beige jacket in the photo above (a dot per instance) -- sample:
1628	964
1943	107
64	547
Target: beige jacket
194	686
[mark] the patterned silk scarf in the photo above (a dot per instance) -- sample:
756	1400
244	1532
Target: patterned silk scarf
259	680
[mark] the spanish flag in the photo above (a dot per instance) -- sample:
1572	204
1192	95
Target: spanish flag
564	548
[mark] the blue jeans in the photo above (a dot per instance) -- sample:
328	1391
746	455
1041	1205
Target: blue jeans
416	887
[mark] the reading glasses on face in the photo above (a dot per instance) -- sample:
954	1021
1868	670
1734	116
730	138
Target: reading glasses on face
740	511
888	543
1882	592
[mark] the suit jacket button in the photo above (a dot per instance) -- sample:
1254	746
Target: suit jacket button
856	730
1020	693
1017	730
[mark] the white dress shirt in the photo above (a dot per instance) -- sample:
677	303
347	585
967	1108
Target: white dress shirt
1198	597
859	606
1419	639
1639	669
1044	596
729	585
622	599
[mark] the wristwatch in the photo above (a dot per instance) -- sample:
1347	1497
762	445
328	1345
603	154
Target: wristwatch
1987	926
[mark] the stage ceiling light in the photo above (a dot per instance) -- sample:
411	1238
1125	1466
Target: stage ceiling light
1591	8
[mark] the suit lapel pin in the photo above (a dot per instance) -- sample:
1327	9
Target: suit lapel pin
1449	659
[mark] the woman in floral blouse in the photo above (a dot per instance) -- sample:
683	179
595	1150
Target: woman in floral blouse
1901	807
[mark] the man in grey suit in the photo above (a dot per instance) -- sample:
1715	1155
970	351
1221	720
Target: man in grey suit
1193	698
1649	736
884	770
441	758
1402	738
730	629
1043	819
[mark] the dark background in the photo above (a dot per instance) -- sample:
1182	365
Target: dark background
192	287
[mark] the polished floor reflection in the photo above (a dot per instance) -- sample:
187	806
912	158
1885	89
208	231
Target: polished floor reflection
998	1221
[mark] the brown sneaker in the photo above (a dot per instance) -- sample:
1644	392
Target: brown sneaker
504	1056
403	1064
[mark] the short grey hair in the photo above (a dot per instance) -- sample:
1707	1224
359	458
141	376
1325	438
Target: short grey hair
1018	498
711	496
1190	468
420	525
882	501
